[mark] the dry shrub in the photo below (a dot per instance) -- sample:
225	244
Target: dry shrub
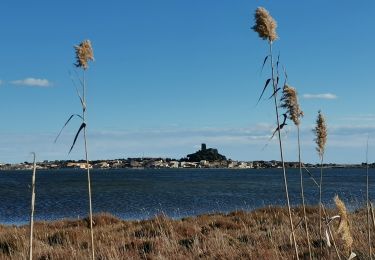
13	242
102	219
60	224
224	223
148	231
187	229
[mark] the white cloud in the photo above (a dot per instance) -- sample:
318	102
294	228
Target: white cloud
1	82
320	96
32	82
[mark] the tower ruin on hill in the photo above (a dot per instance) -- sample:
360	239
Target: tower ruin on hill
207	154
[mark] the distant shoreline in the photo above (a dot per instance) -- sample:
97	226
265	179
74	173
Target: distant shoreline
182	169
162	163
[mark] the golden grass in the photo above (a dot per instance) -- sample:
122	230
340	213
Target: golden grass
265	25
260	234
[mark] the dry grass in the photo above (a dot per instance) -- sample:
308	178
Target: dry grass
260	234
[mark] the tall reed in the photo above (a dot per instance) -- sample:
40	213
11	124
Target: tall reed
266	26
368	204
32	208
289	101
320	140
84	54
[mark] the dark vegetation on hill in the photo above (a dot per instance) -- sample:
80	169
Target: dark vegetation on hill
206	154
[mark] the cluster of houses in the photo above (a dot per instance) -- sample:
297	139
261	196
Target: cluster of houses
203	158
159	163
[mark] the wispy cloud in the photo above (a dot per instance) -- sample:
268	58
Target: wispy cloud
360	117
1	82
32	82
320	96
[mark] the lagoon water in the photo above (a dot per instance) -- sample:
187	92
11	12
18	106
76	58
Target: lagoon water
141	194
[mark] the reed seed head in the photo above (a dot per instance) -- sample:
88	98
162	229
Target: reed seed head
84	54
321	134
289	101
344	227
265	25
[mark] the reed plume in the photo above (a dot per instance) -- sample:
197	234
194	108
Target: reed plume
289	101
344	226
84	54
320	140
265	26
321	134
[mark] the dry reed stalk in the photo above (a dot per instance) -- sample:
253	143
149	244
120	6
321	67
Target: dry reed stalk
84	54
321	140
289	101
88	177
265	26
372	214
368	204
344	226
328	220
32	208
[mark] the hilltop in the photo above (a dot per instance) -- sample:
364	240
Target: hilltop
204	154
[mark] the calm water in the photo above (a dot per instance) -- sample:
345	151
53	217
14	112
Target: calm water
136	194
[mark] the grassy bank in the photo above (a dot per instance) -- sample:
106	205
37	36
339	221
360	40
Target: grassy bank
260	234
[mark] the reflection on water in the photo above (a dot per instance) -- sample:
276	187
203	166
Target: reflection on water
139	194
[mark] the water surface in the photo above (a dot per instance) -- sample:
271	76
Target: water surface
140	194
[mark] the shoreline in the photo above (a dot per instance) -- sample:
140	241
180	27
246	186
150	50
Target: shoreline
351	209
186	168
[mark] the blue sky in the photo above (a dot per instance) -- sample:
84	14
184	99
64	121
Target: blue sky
169	75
